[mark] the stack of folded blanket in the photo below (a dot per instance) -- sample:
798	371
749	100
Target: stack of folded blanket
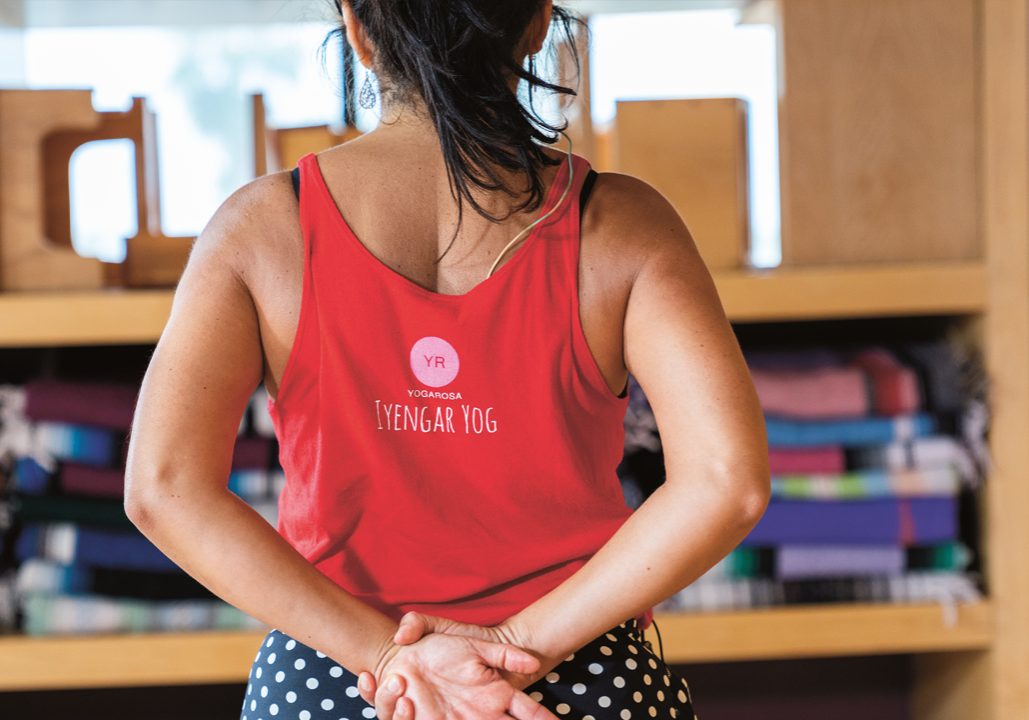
70	558
876	454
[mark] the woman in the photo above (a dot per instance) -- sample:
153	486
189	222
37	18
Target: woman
449	429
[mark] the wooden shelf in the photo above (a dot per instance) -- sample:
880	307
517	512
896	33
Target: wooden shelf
28	663
126	659
112	316
822	631
815	293
124	316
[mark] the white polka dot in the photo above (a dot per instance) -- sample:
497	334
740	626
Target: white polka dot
652	711
352	691
280	676
270	641
646	679
578	688
625	714
291	697
305	715
319	653
667	681
264	691
660	694
633	649
253	704
603	701
563	708
553	677
588	717
652	662
637	696
535	695
605	650
596	668
570	657
681	696
300	664
257	672
630	663
274	709
312	683
271	658
327	704
619	681
291	644
249	688
335	671
368	712
609	636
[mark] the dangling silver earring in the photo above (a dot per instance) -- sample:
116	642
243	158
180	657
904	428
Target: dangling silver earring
366	98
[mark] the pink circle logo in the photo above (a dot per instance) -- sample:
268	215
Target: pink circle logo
434	361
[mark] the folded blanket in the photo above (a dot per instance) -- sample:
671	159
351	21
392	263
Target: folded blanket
881	520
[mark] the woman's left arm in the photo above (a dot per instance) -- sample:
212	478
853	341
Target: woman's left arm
681	349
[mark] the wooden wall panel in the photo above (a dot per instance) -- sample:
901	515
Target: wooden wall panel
694	151
878	130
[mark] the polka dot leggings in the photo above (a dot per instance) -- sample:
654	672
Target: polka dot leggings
616	676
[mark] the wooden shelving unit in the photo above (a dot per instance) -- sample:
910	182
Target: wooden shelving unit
973	667
28	663
138	316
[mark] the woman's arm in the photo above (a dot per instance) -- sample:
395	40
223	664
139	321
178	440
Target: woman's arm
681	349
202	374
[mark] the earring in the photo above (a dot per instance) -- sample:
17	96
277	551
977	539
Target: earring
366	98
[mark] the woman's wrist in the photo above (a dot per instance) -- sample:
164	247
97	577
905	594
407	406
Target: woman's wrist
382	655
518	630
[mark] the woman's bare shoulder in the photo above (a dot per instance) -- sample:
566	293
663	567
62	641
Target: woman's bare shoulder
629	219
256	226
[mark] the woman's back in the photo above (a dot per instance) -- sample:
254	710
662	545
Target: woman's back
454	449
397	217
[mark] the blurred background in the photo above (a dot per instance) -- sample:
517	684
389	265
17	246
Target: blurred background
854	173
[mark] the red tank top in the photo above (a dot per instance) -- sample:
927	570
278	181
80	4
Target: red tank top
451	454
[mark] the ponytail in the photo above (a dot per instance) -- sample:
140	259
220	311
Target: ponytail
457	56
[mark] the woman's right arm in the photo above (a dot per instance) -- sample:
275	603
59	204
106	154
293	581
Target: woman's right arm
201	376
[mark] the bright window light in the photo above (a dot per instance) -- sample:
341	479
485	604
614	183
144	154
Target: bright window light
698	53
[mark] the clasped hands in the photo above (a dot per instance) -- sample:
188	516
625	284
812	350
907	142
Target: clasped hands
449	670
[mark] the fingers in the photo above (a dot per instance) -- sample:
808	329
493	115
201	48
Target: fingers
412	626
523	707
385	700
404	709
366	686
507	657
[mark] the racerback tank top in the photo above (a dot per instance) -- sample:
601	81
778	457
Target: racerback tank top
451	454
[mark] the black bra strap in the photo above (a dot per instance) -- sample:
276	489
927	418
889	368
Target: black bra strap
587	187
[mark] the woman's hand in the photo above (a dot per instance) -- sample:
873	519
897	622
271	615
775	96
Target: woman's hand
452	677
414	625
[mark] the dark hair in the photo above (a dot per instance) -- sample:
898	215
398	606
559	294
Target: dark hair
453	54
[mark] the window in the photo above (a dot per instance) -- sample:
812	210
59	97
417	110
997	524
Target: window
197	81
